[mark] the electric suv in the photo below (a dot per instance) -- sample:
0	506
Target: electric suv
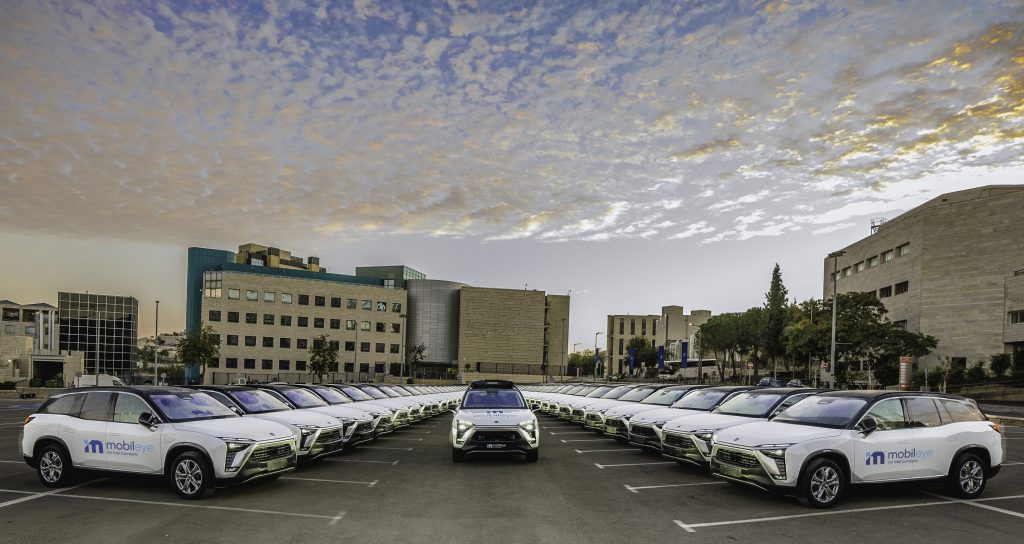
494	417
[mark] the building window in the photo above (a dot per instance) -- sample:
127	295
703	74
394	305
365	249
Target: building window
250	341
212	283
214	315
350	324
381	327
379	347
231	362
336	324
335	302
903	250
871	293
859	267
350	304
873	261
285	343
367	304
622	327
885	292
847	271
335	345
382	306
268	319
232	339
390	284
301	343
332	366
396	327
620	345
364	347
303	321
396	307
632	327
249	364
268	341
887	256
643	327
1016	316
269	296
901	287
232	317
214	363
320	301
901	325
394	348
284	364
267	364
349	367
350	346
364	326
286	298
304	300
252	295
300	366
286	321
654	328
233	294
250	319
318	322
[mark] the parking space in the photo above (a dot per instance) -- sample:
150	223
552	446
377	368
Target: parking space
404	487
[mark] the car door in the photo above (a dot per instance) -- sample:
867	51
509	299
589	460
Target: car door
935	439
884	454
131	446
86	435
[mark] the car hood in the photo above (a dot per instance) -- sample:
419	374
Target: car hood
339	411
630	409
237	427
662	414
606	404
707	422
484	417
768	432
372	407
300	417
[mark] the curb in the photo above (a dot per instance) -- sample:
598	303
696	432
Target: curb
1007	420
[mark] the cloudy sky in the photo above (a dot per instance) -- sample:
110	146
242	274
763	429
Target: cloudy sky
637	153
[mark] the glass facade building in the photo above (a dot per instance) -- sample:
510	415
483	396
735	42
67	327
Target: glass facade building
103	327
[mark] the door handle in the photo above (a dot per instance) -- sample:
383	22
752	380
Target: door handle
904	442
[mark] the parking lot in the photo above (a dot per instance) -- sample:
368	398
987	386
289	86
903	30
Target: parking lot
403	487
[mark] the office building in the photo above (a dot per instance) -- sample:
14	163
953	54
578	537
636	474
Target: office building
103	327
671	328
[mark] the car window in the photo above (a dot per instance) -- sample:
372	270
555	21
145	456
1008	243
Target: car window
493	398
665	397
356	393
303	398
68	405
258	401
128	408
923	413
749	404
701	400
889	415
617	392
97	406
959	411
332	395
190	407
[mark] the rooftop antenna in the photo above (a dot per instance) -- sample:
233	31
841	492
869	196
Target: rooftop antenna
876	223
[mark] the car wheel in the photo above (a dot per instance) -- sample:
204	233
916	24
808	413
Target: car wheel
191	475
458	455
54	467
532	456
967	477
822	483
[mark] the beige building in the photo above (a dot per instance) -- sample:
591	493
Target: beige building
29	346
952	268
670	329
512	331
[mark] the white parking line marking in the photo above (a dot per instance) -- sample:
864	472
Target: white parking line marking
570	432
367	484
337	518
1003	465
564	441
18	423
361	461
383	448
975	503
415	432
599	465
23	462
636	489
35	496
618	450
397	438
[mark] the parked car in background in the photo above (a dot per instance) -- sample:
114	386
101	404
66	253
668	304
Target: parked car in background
494	417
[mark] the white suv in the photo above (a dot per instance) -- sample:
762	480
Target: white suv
822	444
186	435
494	417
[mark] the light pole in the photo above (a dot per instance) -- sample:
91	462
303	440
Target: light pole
596	359
401	369
565	335
574	346
156	346
835	276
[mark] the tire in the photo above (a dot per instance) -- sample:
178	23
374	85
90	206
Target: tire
822	484
966	478
191	476
458	455
54	467
532	456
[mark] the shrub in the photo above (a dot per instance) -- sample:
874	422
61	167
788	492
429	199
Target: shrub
8	386
1000	364
976	373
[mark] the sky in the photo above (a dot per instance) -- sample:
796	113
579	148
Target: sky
631	153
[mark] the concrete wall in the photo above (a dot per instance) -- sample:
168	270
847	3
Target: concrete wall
501	326
557	325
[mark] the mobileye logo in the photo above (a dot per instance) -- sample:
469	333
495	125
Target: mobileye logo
93	446
118	448
898	456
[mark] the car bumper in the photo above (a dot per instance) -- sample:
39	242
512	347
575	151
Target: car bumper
645	441
683	448
744	466
257	466
497	440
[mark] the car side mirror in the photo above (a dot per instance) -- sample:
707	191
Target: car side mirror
867	425
535	409
147	419
237	410
454	409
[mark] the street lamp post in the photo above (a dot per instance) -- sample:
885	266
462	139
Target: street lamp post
156	346
574	346
835	276
596	334
565	335
401	369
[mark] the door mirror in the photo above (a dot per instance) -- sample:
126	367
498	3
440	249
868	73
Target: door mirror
237	410
867	425
148	420
535	409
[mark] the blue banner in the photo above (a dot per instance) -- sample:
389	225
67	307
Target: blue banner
661	356
684	351
632	354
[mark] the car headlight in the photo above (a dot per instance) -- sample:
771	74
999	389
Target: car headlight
528	426
306	434
461	428
777	453
234	447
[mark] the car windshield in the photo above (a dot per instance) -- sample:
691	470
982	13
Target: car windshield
374	392
835	412
665	396
401	391
750	404
190	407
258	402
302	398
638	394
701	400
573	390
389	392
493	398
332	395
598	392
356	393
617	392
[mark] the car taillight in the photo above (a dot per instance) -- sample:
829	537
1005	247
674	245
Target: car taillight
996	427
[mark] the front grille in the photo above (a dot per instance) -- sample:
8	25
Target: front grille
496	436
642	430
330	435
271	452
364	427
614	422
738	458
593	417
577	412
682	442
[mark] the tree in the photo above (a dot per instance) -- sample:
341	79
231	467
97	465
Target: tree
646	356
322	356
144	356
776	317
584	361
200	346
976	373
415	356
999	364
